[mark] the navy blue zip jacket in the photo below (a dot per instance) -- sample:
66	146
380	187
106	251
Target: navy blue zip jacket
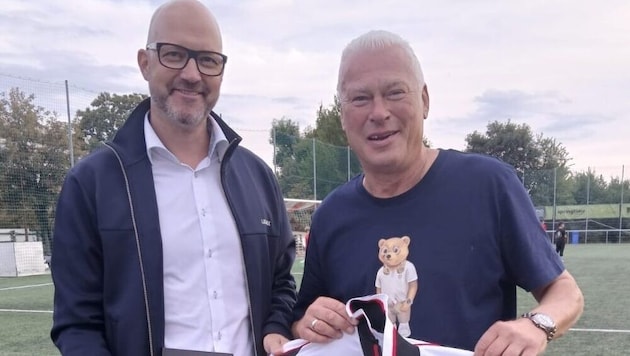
107	248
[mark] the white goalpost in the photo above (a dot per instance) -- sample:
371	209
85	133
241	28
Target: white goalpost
300	212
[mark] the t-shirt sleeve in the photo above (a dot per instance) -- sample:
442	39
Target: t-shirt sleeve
411	274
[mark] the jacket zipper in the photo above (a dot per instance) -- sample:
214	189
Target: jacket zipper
135	231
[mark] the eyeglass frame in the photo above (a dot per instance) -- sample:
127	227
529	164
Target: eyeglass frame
192	54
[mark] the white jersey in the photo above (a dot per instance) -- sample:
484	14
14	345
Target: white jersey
375	336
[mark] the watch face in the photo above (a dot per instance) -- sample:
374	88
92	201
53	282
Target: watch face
543	320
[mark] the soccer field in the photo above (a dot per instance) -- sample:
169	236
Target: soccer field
603	272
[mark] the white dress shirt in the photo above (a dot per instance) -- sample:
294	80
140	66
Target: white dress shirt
206	303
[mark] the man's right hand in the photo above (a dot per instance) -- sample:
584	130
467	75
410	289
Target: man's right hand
325	320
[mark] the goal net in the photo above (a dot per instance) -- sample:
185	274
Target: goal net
21	259
300	212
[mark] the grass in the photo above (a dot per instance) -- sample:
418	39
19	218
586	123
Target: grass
603	272
26	333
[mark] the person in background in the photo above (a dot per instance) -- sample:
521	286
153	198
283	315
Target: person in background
473	235
561	238
172	238
306	236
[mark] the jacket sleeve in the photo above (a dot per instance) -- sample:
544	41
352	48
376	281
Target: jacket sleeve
78	318
283	293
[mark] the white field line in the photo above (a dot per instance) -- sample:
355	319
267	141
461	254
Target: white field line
572	329
602	330
50	311
28	286
25	311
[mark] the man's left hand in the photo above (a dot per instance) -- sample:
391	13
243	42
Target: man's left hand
273	343
518	337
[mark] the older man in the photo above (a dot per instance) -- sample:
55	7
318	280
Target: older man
473	232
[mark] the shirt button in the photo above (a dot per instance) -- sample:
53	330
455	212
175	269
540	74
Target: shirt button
195	174
209	253
214	294
219	335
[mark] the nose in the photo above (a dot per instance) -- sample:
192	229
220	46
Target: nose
379	110
190	71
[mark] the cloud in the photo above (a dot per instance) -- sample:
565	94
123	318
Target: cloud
560	66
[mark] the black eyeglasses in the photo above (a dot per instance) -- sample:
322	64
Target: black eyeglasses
176	57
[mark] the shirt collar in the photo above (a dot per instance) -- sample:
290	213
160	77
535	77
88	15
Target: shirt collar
218	141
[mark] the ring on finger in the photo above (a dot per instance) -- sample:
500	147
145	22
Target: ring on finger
313	323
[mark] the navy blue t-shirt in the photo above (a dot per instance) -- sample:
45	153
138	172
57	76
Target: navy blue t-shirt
474	238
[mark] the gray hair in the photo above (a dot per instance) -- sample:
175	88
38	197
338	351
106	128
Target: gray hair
379	39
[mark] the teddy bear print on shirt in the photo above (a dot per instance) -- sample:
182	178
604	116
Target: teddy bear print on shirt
398	279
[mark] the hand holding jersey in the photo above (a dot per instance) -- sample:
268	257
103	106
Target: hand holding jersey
376	335
325	320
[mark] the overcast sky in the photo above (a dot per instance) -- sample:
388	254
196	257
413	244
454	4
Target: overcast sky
561	66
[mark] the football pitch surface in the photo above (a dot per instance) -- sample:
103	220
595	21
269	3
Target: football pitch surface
602	271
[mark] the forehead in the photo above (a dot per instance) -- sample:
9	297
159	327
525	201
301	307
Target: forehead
187	26
376	68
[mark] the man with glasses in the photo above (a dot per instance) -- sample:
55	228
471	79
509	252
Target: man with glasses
172	239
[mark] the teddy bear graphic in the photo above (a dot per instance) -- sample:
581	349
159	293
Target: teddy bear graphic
398	279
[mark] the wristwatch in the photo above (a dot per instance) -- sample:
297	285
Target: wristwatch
544	322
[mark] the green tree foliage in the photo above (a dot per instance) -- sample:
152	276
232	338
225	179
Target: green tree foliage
616	189
288	154
33	162
107	112
541	162
284	136
328	125
326	144
590	188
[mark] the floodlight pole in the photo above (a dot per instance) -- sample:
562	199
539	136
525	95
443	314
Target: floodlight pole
621	204
275	170
314	172
588	201
70	146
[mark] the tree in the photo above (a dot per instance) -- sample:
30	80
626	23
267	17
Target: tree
540	161
295	152
328	125
285	136
514	144
590	189
34	161
107	112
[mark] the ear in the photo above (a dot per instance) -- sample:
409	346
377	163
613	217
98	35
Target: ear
406	240
143	63
341	115
381	242
425	101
